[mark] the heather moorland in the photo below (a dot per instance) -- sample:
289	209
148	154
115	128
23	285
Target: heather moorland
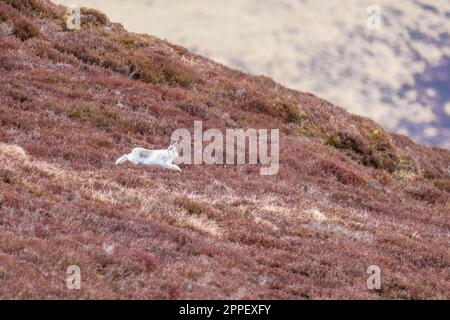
348	193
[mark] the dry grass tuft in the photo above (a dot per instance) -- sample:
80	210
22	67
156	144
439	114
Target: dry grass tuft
92	18
25	30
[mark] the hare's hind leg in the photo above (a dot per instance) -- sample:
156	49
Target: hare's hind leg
172	166
122	159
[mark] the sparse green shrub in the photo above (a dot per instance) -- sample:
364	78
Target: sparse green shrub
405	175
173	77
92	18
309	130
372	147
346	141
96	115
407	164
277	107
406	170
379	138
383	154
159	68
385	161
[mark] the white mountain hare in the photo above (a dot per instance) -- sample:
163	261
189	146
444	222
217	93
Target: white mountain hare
160	158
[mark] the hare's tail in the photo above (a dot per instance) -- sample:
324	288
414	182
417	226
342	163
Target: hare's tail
122	159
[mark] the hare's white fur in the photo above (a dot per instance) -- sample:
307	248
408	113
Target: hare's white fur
161	158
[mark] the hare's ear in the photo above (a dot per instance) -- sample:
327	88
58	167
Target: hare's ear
173	143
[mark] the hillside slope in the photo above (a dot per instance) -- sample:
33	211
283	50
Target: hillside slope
348	194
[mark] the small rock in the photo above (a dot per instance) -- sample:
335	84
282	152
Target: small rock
35	135
109	249
6	29
307	188
303	188
240	93
134	74
122	106
375	185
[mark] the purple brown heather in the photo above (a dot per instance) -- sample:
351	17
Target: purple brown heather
348	194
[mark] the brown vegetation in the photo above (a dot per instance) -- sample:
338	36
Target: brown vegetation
348	193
